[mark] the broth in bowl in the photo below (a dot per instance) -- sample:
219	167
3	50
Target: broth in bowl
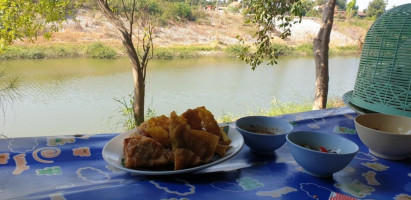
263	130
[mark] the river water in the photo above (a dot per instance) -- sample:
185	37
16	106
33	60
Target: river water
77	96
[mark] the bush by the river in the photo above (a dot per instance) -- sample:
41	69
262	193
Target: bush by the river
101	51
39	52
181	52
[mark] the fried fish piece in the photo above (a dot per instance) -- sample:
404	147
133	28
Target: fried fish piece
144	152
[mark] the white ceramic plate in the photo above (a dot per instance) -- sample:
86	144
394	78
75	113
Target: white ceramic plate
113	154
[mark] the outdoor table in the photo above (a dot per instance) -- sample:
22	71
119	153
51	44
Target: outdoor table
72	167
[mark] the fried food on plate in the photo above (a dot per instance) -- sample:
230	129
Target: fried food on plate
180	142
142	151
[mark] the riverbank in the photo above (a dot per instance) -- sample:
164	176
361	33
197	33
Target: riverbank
167	53
215	34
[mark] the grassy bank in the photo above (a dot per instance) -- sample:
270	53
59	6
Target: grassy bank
276	108
281	108
299	50
107	51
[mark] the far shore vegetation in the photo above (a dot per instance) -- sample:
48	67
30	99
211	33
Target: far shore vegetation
106	51
180	15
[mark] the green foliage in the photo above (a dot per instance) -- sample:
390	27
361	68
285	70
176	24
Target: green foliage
344	50
8	93
280	108
21	19
233	9
376	8
313	13
101	51
148	7
180	52
265	15
299	50
127	113
276	108
11	52
305	49
342	4
307	6
8	88
233	50
58	51
38	52
320	2
282	49
200	16
165	54
178	11
351	9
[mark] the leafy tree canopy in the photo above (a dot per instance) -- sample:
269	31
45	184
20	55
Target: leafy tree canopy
342	4
265	15
351	9
376	8
21	19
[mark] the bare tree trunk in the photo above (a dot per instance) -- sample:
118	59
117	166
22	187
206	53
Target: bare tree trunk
321	48
136	68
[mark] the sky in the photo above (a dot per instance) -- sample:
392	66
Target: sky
363	4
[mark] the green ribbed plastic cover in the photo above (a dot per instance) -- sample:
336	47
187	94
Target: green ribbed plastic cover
383	82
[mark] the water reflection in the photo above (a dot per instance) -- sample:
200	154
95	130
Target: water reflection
76	96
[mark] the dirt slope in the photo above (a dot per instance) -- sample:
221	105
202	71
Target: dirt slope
218	28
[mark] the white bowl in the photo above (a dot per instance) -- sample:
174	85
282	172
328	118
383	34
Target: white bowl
386	136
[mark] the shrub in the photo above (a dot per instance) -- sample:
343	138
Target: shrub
233	50
101	51
163	54
201	15
305	49
344	50
34	54
62	52
179	12
282	49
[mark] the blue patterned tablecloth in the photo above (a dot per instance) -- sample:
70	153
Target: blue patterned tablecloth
72	167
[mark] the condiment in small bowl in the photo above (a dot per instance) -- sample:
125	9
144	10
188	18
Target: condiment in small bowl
263	134
386	136
321	154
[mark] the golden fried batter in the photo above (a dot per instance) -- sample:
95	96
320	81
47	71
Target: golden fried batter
187	140
202	143
142	151
202	119
184	158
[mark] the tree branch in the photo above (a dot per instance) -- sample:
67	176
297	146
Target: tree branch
132	18
125	10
